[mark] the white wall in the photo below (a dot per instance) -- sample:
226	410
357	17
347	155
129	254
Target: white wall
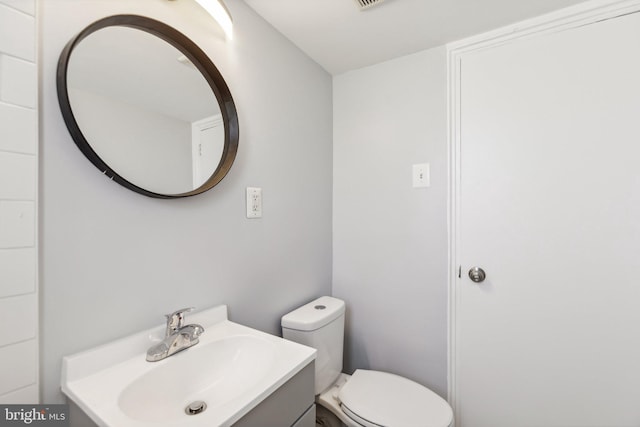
150	149
113	261
18	190
389	239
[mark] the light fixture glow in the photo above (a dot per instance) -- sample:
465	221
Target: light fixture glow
219	12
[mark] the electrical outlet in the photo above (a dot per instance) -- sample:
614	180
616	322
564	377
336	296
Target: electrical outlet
254	202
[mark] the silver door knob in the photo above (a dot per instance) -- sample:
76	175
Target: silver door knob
477	274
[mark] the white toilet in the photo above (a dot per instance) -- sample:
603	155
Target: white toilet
366	398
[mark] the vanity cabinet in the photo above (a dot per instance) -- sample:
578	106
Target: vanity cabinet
290	405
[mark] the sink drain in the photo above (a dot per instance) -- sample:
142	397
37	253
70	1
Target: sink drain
195	408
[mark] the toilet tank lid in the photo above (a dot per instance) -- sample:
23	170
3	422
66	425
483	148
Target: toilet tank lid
314	315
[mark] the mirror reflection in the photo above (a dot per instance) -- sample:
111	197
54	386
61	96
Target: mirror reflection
145	109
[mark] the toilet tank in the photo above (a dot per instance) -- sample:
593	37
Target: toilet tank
319	324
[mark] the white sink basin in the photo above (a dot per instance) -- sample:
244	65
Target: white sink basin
217	374
232	370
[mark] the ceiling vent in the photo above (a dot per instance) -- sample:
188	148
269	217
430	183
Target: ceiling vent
368	4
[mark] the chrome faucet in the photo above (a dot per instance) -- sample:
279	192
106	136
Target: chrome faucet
177	336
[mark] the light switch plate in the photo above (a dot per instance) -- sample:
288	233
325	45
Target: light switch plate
421	176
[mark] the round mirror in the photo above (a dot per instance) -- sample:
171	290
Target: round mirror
147	107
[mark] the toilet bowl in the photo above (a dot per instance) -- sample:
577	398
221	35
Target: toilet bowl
366	398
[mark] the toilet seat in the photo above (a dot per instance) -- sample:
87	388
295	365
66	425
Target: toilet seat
380	399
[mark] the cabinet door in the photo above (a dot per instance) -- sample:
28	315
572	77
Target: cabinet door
285	406
308	419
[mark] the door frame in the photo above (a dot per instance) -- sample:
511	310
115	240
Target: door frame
571	17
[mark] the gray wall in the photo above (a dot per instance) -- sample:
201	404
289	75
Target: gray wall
389	239
113	262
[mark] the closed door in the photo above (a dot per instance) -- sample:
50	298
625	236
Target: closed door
207	148
549	208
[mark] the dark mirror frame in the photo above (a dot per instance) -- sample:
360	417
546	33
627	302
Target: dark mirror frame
199	59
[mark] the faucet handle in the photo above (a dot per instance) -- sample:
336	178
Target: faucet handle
175	320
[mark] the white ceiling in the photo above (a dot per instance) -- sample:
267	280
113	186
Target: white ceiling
340	37
108	64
